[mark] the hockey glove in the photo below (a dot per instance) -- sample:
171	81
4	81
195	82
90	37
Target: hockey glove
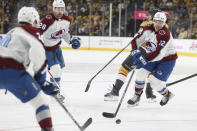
46	86
75	42
136	53
50	89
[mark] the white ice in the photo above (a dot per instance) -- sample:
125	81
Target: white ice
179	114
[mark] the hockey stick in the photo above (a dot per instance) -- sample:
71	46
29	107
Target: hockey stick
89	82
85	125
188	77
53	79
112	115
61	97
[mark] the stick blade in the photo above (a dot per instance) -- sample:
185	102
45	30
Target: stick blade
87	123
88	86
109	115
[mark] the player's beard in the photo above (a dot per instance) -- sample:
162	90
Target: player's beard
58	15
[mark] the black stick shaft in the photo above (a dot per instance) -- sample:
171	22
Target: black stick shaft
124	93
111	115
69	114
87	123
89	82
183	79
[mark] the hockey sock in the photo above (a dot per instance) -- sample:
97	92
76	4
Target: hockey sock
164	91
121	77
43	116
118	85
139	86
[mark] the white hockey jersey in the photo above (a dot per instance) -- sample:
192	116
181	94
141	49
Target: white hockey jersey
159	45
53	30
20	47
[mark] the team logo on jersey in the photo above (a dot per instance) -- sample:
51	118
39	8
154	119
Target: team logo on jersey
58	34
150	46
162	32
48	16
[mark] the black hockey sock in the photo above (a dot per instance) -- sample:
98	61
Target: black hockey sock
118	85
149	91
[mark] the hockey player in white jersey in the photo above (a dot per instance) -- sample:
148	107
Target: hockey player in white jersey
55	27
18	49
160	58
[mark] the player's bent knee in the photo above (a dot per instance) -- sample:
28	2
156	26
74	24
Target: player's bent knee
156	84
141	74
38	101
56	70
41	108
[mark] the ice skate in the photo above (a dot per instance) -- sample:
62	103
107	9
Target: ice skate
112	96
134	101
166	98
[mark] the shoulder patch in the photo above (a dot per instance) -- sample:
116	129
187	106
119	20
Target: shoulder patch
48	17
162	32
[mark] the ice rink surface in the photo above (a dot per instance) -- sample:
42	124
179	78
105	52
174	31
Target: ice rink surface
180	114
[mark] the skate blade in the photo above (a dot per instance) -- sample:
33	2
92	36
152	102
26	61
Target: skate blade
150	100
111	99
134	105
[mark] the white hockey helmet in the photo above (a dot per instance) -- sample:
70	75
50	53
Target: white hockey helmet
58	3
160	16
29	15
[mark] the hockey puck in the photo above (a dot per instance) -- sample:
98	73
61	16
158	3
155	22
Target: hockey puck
118	121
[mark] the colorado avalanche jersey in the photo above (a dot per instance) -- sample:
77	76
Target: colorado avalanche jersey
159	45
22	46
53	30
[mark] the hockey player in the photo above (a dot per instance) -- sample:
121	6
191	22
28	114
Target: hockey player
160	58
148	91
18	50
55	26
127	66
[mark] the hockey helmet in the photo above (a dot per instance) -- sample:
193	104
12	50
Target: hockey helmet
28	15
160	16
58	3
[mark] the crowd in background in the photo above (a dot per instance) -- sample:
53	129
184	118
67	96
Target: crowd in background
6	9
92	17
